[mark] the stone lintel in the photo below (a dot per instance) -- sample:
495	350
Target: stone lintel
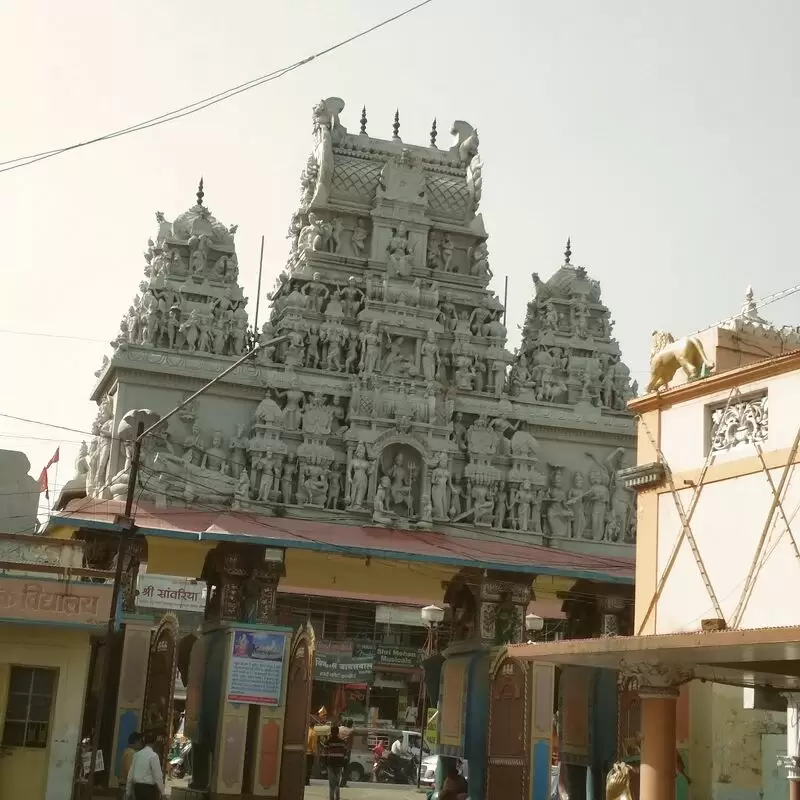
653	678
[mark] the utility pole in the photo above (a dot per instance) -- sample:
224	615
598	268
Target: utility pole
146	422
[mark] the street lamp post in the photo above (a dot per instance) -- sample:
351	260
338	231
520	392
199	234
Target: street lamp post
533	624
144	422
432	616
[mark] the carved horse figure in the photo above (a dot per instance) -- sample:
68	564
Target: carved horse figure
667	355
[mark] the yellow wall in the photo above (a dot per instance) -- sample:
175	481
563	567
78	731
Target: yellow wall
30	773
309	569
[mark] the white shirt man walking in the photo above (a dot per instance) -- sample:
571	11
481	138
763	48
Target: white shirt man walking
145	779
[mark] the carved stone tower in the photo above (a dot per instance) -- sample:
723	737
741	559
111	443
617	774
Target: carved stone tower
390	399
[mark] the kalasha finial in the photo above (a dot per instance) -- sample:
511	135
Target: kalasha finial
567	252
200	192
434	134
363	120
396	126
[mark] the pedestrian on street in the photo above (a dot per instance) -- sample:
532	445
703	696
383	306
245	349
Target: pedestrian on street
145	779
346	735
335	755
134	745
311	750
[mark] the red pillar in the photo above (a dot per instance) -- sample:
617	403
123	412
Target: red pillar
657	780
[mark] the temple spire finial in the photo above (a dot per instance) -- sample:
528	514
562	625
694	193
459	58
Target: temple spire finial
568	251
434	133
396	126
200	192
363	130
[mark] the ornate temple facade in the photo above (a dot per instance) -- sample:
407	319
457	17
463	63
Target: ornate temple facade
394	398
383	420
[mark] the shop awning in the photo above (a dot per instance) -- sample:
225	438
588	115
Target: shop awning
755	657
491	550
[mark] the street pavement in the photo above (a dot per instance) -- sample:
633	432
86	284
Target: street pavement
365	791
353	791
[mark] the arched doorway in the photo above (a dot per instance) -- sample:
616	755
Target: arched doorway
159	689
298	707
508	752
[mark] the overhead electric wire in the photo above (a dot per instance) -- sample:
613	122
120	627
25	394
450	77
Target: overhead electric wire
200	105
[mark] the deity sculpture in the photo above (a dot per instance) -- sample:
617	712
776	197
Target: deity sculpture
380	503
215	459
599	497
447	250
352	358
402	478
287	478
434	253
558	515
448	315
360	468
500	506
399	260
358	239
238	448
316	292
575	502
440	479
193	446
370	350
353	297
430	357
524	502
267	466
292	414
316	486
334	487
312	347
295	350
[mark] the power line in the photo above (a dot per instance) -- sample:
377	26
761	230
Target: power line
200	105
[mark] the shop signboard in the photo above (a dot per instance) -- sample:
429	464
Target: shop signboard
397	656
170	593
344	662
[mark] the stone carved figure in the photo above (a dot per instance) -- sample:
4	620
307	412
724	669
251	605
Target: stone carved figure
400	257
358	239
575	502
558	514
370	349
360	469
440	480
667	355
353	297
430	357
215	458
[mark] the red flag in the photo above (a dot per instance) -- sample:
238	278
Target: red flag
44	485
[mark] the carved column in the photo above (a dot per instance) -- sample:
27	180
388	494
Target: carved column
611	621
489	609
658	686
791	761
131	687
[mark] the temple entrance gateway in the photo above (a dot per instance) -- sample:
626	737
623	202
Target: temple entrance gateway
298	708
159	692
509	744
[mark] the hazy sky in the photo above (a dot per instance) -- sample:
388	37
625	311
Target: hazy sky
662	136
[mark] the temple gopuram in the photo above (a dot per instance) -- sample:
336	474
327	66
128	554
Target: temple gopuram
384	448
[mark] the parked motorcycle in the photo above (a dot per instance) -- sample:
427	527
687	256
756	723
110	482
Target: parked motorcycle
180	760
391	769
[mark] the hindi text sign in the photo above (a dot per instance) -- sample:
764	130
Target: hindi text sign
256	668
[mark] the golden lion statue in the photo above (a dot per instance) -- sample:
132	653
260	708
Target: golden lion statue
618	782
666	355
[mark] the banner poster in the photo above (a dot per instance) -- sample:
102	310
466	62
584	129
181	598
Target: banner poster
256	668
